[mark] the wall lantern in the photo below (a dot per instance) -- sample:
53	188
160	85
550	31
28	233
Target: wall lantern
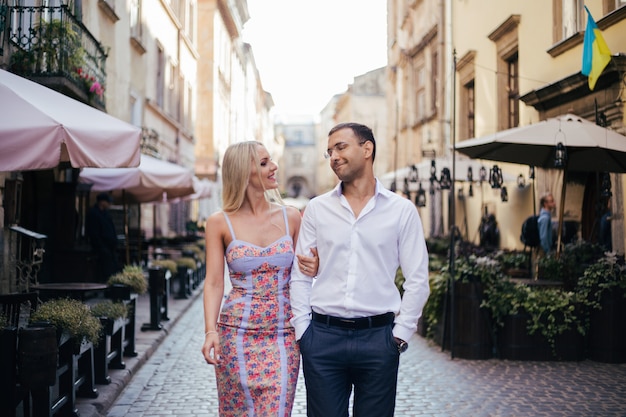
413	175
483	173
495	177
420	198
470	192
504	195
521	181
560	155
433	171
606	186
531	173
470	174
445	181
405	188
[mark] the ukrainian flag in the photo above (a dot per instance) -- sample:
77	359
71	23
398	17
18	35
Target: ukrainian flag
596	54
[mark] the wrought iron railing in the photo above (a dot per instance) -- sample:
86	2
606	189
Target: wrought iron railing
50	42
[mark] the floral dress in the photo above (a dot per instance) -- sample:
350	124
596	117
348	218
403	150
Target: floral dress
260	360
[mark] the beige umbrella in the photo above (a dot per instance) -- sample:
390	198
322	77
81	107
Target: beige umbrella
590	148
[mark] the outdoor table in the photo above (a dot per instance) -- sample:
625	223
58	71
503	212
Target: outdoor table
77	290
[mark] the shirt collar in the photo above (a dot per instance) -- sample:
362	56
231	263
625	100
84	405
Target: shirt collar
380	190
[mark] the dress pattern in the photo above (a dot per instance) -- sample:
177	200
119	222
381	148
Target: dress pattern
260	361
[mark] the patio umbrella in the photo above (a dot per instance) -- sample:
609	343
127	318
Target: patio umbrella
152	181
40	128
590	148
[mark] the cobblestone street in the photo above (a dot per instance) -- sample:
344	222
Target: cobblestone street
176	381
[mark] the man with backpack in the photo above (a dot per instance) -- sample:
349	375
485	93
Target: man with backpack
544	222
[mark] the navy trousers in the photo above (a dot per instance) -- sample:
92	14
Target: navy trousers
336	359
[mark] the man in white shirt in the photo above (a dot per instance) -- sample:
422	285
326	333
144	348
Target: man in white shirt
352	324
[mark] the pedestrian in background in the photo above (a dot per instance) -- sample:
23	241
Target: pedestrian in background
544	222
252	344
100	230
352	323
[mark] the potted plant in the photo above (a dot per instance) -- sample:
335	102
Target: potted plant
432	313
166	264
130	280
536	322
550	268
72	319
603	286
186	262
109	313
514	264
575	258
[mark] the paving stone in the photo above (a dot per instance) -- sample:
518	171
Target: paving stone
170	378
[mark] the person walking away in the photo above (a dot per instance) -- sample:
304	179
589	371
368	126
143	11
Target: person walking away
251	341
351	322
100	230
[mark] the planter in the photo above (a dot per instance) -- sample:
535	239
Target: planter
10	392
515	343
472	325
120	292
607	331
37	356
109	352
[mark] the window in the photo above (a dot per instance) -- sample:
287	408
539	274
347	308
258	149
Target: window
467	95
135	19
160	78
610	5
420	95
434	66
569	18
572	18
470	108
506	40
513	91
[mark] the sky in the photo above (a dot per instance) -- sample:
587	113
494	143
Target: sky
307	51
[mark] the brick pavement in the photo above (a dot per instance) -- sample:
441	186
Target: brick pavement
175	381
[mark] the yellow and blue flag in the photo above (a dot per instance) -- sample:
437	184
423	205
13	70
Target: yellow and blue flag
596	54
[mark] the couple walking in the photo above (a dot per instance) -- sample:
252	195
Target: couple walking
335	302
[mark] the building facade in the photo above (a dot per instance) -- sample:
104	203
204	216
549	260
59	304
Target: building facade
488	72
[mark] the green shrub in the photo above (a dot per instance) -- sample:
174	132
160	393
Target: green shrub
71	316
110	309
167	264
131	276
187	262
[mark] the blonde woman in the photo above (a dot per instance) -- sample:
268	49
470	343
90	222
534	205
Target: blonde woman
251	341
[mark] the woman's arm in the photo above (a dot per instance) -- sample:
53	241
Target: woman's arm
213	285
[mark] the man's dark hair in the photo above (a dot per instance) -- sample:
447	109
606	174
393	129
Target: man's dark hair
363	132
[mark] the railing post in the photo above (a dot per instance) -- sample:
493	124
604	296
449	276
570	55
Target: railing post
157	289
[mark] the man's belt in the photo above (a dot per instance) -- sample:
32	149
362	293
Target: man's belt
358	323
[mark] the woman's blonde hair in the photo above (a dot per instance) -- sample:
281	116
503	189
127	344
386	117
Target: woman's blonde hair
236	174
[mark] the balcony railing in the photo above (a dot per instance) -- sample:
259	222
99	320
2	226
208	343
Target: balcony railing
50	45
